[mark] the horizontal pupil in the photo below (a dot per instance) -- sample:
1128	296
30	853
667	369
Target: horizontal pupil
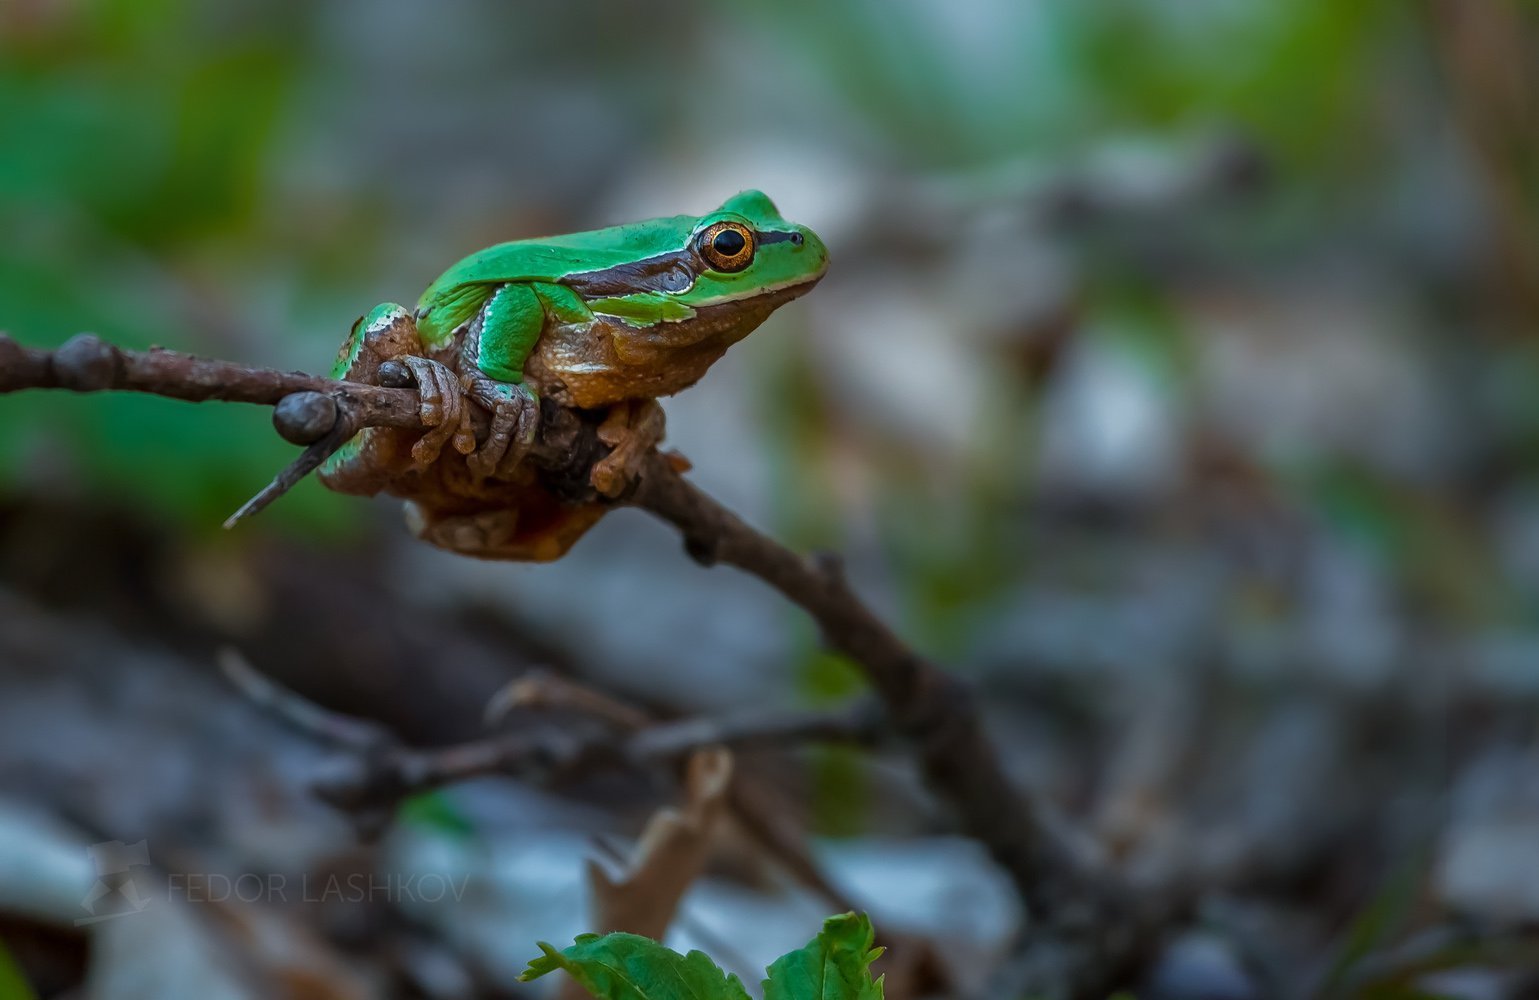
729	242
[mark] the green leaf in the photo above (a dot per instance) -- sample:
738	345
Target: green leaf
631	967
835	965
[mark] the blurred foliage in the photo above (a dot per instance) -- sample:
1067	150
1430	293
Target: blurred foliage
134	138
951	87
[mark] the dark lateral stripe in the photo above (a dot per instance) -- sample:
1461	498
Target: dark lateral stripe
649	274
654	274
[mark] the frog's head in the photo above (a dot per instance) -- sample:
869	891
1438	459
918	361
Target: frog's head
692	286
745	249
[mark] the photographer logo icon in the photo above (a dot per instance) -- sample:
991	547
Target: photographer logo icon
120	887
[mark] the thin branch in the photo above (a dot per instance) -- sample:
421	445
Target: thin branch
87	363
933	709
863	721
311	410
302	714
388	771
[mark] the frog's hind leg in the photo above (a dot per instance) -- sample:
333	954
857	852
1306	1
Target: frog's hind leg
363	465
388	331
496	346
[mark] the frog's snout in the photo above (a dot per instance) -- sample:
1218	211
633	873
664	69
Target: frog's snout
811	250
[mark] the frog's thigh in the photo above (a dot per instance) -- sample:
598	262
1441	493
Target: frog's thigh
449	312
510	326
366	464
529	535
388	331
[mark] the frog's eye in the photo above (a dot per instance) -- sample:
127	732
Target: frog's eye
726	246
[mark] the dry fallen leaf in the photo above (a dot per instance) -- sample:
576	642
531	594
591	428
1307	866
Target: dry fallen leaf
671	853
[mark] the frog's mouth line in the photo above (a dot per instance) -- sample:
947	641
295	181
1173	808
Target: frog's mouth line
772	296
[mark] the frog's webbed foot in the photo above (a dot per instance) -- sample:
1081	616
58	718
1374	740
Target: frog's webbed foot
632	430
443	410
515	421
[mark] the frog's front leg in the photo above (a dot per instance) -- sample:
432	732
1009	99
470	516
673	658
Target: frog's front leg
496	346
442	410
515	421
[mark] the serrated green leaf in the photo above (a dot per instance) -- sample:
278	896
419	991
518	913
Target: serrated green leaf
835	965
631	967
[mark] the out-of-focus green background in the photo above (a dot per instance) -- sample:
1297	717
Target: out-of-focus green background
1175	377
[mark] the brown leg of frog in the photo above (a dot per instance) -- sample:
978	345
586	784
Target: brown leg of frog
631	429
377	455
515	422
443	411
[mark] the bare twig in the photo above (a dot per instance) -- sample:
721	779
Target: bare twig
861	722
86	363
332	727
386	770
89	364
930	707
308	461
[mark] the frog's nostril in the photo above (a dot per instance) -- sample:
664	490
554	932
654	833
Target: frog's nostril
796	239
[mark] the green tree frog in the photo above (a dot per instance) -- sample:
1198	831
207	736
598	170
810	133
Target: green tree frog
607	320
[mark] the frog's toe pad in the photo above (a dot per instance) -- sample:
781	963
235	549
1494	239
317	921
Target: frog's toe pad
611	477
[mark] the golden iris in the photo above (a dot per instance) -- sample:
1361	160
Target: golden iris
726	246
